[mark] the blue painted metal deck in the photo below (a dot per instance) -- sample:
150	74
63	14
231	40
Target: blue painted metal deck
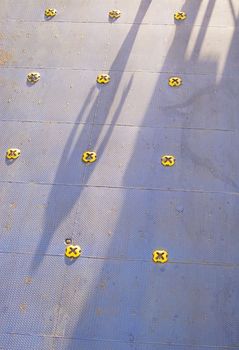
125	205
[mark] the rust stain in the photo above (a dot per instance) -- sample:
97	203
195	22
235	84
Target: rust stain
13	205
2	36
28	280
5	56
23	307
8	226
41	206
2	82
109	233
102	284
98	311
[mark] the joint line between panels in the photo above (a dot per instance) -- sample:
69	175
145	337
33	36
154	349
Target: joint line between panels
59	337
117	70
125	260
106	23
118	187
61	122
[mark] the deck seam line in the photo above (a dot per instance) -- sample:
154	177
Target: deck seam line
125	260
190	25
118	70
124	342
118	187
53	122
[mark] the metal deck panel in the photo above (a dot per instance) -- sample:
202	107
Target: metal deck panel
134	48
26	342
118	48
47	45
132	157
123	223
122	304
45	149
199	103
213	13
203	105
43	101
28	302
109	345
100	299
126	204
37	218
30	342
204	162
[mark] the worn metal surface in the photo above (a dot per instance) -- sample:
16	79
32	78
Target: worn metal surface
126	204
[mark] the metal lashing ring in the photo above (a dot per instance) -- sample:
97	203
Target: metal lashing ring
168	160
175	81
13	153
89	157
50	12
180	16
160	256
72	251
33	77
114	13
103	79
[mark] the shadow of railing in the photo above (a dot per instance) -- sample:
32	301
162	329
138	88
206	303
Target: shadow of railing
131	329
57	210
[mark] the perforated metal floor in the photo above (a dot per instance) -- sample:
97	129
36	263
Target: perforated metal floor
126	204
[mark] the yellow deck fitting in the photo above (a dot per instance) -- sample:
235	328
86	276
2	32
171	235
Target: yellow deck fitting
175	81
89	157
33	77
114	13
160	256
168	160
180	16
50	12
103	79
73	251
13	153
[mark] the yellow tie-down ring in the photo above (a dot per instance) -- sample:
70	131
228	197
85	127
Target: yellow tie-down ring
50	12
73	251
160	256
180	16
175	81
13	153
103	79
115	14
168	160
89	157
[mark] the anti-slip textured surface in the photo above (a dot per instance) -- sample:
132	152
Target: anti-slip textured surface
126	204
